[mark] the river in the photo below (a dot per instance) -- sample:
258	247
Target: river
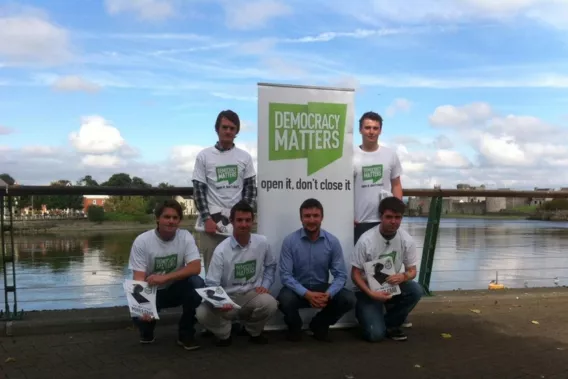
80	271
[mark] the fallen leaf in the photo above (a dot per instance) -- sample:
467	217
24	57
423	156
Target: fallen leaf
475	311
417	366
349	377
560	348
10	359
446	335
535	322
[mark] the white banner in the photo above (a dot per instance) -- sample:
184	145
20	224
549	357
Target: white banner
305	149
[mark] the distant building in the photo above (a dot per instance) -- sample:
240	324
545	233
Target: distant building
94	200
188	205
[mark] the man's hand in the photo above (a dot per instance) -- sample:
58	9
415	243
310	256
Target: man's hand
157	280
261	290
317	299
381	296
145	318
210	226
226	308
396	279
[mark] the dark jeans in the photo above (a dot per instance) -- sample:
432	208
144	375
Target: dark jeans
290	304
181	292
362	228
371	314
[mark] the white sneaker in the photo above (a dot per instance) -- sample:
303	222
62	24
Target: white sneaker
225	229
407	324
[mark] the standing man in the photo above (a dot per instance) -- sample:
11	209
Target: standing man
245	267
379	314
168	257
307	257
376	172
223	175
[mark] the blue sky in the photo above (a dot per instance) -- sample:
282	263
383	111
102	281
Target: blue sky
471	91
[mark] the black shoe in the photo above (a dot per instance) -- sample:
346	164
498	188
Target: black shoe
320	334
188	343
259	340
396	334
294	336
224	343
147	338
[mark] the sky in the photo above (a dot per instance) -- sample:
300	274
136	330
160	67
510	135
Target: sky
471	91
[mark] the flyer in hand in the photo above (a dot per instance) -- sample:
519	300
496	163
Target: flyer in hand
141	298
217	297
224	226
377	272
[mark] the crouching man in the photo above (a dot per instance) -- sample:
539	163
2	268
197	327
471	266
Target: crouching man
379	314
168	258
244	266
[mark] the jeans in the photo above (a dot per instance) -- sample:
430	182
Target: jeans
375	317
181	292
290	303
361	228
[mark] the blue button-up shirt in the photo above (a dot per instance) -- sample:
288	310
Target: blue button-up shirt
305	263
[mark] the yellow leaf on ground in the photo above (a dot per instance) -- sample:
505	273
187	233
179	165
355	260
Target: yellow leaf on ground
535	322
475	311
10	359
446	335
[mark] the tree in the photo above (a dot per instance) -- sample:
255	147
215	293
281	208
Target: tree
132	205
8	179
95	213
87	181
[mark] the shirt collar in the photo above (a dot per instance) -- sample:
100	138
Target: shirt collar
322	235
221	148
235	244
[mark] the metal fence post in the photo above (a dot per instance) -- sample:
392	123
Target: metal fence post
8	257
430	239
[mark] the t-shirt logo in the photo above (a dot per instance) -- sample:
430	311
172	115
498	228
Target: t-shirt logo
245	270
230	173
391	255
165	264
373	173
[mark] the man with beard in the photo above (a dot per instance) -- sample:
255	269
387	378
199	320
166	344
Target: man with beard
245	267
306	259
379	314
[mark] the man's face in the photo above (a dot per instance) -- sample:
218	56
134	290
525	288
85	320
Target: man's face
227	131
370	130
242	223
168	221
311	219
390	221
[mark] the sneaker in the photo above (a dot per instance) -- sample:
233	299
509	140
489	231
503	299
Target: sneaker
145	340
320	334
224	343
259	340
188	344
407	324
396	334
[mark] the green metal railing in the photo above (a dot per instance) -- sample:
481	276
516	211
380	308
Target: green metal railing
11	311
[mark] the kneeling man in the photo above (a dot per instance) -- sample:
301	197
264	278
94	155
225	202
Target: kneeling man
379	313
245	267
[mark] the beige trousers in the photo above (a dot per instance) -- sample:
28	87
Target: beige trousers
207	244
256	310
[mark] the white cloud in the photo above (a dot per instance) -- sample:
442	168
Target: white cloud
101	161
442	142
398	105
40	150
74	83
450	159
4	130
460	117
148	10
253	14
27	36
96	136
228	96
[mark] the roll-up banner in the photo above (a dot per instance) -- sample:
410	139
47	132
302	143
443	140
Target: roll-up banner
305	149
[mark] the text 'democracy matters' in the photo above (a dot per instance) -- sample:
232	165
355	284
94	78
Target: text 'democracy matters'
289	184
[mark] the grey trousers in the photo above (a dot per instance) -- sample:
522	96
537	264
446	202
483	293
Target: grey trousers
207	244
256	310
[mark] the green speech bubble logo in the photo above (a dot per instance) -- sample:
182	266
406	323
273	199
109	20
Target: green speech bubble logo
245	270
230	173
314	131
373	173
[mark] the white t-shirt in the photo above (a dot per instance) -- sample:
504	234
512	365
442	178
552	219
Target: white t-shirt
152	255
224	173
240	269
373	172
372	245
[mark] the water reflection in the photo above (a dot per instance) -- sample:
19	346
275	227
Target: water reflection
78	271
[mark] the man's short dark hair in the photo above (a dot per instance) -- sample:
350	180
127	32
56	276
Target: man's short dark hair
373	116
169	203
311	203
241	206
393	204
229	115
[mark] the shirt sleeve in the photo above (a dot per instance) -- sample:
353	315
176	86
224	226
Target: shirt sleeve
215	272
200	199
337	268
359	255
287	269
137	260
397	167
269	267
199	169
249	168
409	258
191	252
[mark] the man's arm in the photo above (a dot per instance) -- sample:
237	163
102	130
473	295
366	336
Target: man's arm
215	272
337	269
269	268
191	258
410	259
200	199
396	187
137	261
286	270
396	172
357	267
250	191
